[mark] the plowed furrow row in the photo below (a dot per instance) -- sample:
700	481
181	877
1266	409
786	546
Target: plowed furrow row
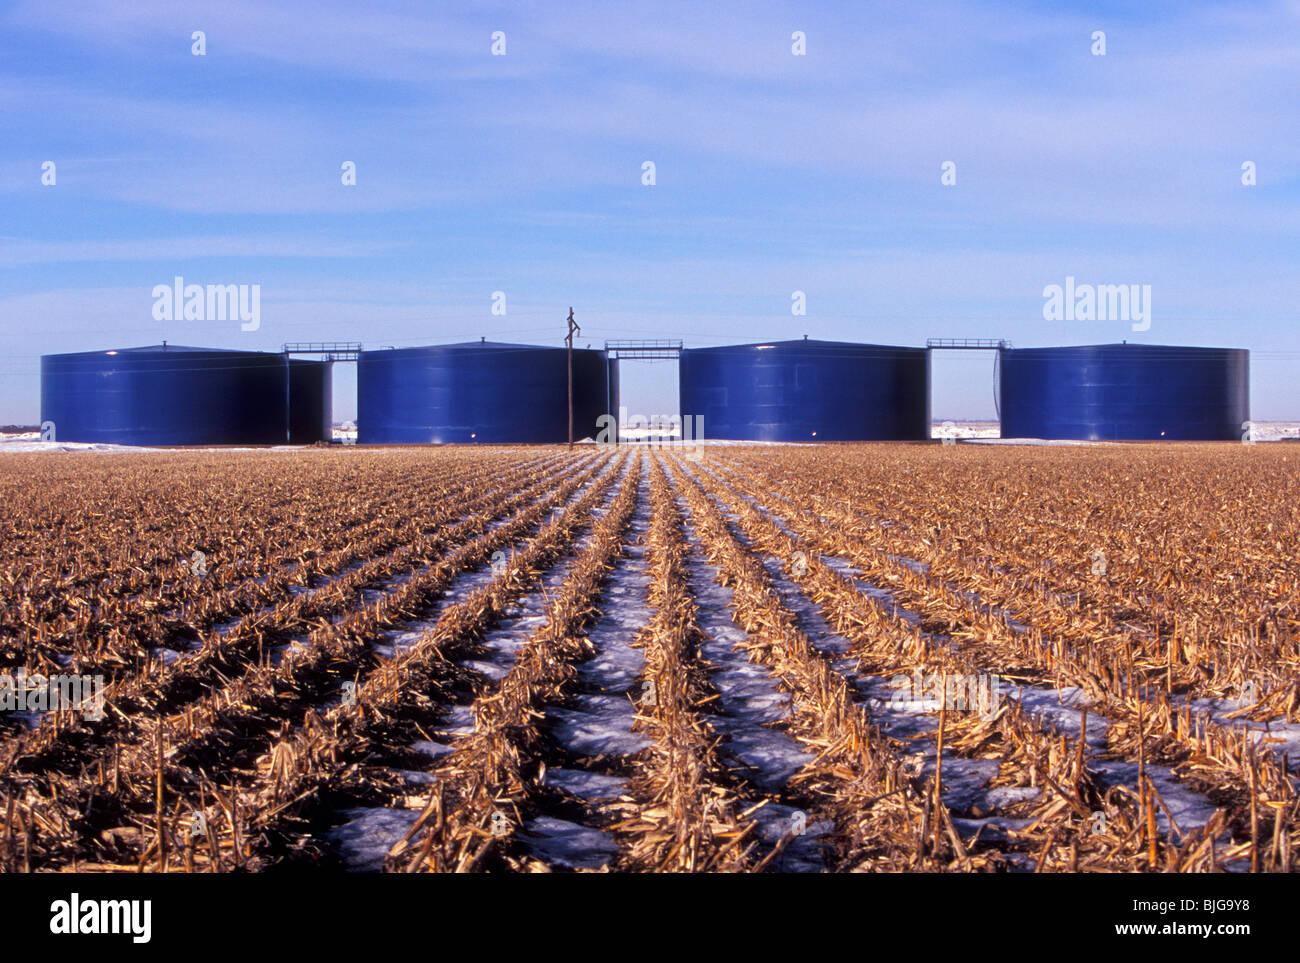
888	642
484	792
274	601
227	724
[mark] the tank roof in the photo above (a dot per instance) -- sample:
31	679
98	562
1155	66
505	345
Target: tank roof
156	348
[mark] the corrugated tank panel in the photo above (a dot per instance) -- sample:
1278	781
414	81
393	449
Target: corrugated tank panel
1125	392
478	392
808	391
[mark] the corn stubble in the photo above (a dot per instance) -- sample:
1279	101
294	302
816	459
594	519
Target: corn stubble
1156	581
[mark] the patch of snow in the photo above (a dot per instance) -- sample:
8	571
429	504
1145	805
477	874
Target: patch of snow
592	786
568	844
365	839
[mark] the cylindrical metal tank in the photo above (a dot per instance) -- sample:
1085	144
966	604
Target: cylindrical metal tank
480	392
1125	392
808	391
179	395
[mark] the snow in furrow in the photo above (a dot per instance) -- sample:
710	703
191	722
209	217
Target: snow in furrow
367	834
965	780
751	700
599	721
1277	735
320	583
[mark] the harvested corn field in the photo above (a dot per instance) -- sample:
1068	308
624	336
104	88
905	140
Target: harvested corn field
857	658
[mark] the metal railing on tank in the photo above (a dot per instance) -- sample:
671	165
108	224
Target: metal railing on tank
327	350
971	344
644	349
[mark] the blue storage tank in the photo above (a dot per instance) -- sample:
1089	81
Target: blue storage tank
808	391
179	395
1125	392
480	392
311	401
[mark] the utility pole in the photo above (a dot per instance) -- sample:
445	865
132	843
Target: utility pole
573	327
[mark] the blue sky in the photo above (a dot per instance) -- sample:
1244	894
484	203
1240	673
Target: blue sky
522	173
